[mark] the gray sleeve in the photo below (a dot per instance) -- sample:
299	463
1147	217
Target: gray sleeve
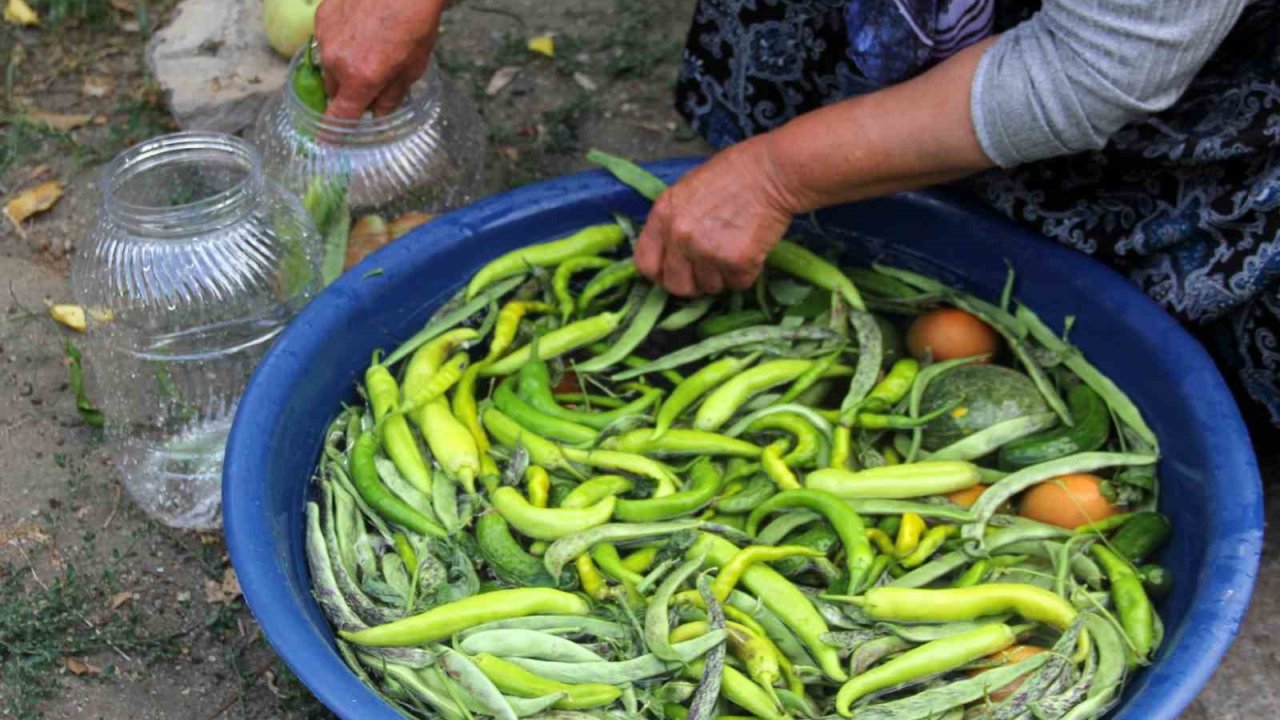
1078	70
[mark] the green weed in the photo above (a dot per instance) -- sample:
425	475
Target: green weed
43	623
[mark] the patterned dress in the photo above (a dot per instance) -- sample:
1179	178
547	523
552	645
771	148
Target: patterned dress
1187	201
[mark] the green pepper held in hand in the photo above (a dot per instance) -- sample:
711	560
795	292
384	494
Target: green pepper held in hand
364	475
308	81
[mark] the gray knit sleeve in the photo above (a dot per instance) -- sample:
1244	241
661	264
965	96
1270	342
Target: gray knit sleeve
1078	70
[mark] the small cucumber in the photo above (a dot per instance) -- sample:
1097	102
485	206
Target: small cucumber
1140	536
509	561
1092	428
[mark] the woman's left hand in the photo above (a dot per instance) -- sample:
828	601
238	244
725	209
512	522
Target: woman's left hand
714	228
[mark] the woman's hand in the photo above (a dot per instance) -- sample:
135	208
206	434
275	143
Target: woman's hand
714	228
373	51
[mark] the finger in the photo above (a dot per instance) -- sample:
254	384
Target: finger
648	255
708	276
677	273
392	97
739	277
351	100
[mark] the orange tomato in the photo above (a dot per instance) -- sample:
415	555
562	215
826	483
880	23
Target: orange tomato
1011	655
949	333
968	496
1068	501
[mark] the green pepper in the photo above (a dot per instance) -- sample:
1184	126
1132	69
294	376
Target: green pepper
308	81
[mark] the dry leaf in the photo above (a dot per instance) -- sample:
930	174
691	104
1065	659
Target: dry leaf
32	201
510	153
584	82
23	531
98	85
71	316
368	234
406	222
121	598
18	12
79	667
223	592
501	78
543	45
61	122
125	6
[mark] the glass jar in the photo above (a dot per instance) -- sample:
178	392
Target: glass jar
196	261
426	156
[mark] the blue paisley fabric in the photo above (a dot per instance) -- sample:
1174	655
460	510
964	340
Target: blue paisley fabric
1186	202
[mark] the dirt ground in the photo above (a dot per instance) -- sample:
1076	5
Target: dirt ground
104	614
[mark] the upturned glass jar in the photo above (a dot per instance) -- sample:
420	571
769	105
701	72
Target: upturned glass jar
426	156
195	263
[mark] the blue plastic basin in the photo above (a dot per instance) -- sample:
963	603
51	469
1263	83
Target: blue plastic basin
1210	484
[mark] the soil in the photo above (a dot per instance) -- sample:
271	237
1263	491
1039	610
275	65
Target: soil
104	614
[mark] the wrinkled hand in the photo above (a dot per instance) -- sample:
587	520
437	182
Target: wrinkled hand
373	51
714	228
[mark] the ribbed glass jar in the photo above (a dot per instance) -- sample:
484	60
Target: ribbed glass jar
428	155
195	263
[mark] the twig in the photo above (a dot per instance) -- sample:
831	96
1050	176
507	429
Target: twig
114	507
498	11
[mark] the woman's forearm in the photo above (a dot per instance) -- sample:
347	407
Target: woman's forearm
914	134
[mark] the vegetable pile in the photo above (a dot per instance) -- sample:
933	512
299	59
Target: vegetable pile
571	495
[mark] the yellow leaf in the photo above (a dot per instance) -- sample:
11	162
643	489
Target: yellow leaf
18	12
121	598
60	121
79	667
71	316
543	45
32	201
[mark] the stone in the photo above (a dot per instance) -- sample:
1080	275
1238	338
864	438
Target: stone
215	65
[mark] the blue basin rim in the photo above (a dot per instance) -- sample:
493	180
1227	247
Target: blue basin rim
295	391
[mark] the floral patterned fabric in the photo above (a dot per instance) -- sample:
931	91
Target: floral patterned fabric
1187	202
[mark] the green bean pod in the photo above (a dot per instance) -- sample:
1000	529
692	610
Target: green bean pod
641	324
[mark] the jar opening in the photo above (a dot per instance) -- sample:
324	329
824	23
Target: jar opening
417	104
182	183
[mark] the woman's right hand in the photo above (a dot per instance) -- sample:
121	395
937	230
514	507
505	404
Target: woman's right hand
373	51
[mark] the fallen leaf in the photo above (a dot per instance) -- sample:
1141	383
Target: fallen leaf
62	122
125	6
121	598
32	201
406	222
586	83
71	316
23	531
543	45
18	12
79	667
222	592
501	78
98	85
510	153
131	26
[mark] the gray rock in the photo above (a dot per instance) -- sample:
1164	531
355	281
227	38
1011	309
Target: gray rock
215	65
